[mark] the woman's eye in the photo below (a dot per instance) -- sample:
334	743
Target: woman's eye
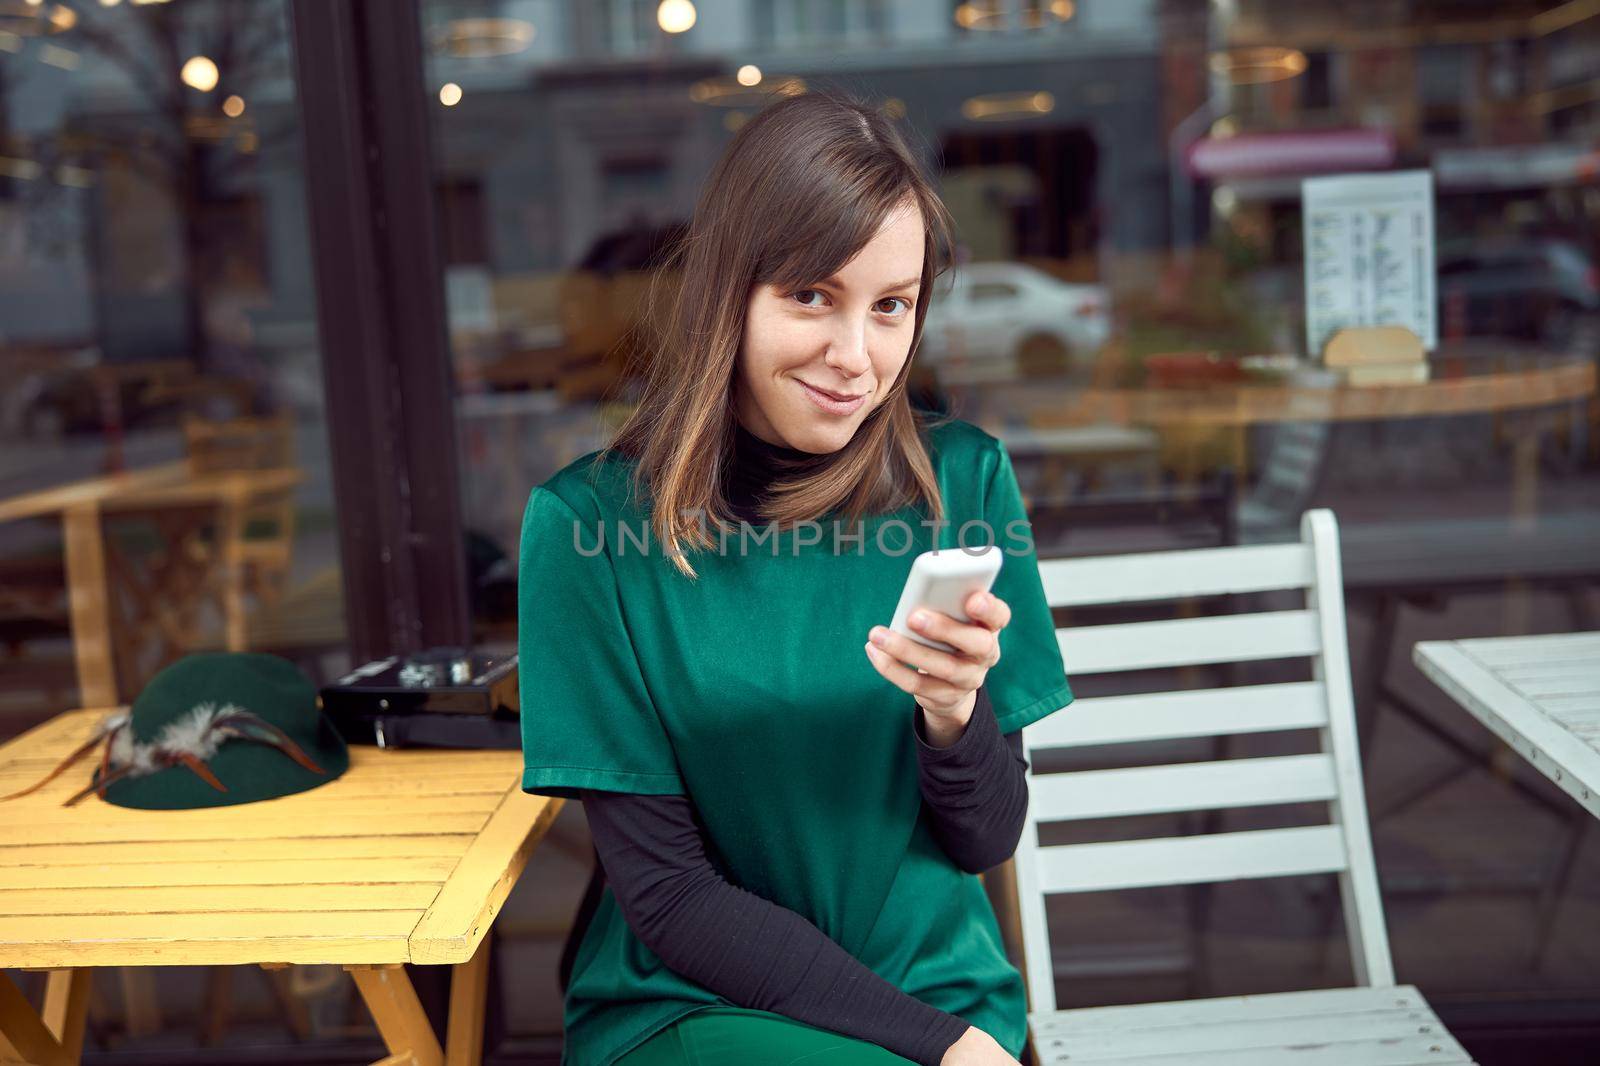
800	295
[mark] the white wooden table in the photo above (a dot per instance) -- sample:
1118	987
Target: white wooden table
1539	694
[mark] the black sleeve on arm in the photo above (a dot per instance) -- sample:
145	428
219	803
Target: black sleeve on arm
974	792
745	948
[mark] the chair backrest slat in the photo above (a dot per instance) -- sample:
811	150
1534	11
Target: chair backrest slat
1190	641
1186	860
1168	575
1325	703
1146	716
1200	786
253	443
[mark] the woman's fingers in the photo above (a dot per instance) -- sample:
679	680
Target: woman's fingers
974	641
908	680
958	670
940	675
989	610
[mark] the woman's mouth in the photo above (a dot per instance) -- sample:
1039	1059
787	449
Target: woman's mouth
834	403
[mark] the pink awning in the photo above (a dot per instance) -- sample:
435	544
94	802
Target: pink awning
1298	152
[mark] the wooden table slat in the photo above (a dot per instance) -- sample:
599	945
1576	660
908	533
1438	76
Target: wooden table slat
1553	733
397	824
495	859
340	807
218	899
406	857
334	871
488	784
427	845
356	937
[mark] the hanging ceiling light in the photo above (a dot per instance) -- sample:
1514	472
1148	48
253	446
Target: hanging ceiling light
996	107
729	91
989	14
215	129
479	38
1260	63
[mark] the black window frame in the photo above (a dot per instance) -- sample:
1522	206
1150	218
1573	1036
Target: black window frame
381	312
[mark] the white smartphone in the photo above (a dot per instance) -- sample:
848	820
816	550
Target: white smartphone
944	580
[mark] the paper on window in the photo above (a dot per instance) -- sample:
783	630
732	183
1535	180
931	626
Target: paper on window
1369	254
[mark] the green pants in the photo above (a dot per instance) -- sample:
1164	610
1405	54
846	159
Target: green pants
733	1036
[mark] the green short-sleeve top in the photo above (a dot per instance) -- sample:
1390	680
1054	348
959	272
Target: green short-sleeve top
747	688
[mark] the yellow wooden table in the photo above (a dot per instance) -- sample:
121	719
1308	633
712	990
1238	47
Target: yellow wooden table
406	857
171	493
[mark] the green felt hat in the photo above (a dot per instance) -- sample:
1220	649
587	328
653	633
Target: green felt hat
213	729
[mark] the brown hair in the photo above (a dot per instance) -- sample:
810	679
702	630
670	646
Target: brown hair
800	190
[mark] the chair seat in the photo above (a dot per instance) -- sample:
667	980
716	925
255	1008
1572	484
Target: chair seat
1321	1027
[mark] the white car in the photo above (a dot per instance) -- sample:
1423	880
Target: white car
1000	321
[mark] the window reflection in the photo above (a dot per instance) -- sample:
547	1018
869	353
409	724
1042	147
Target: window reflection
1129	309
1127	181
162	403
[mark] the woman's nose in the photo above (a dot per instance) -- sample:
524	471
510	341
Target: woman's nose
848	352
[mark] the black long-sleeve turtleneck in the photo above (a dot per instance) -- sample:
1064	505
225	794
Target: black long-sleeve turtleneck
755	953
756	464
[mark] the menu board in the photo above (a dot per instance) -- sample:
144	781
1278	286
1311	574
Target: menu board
1369	254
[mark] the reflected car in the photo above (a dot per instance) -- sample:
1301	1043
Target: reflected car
79	393
1542	289
999	321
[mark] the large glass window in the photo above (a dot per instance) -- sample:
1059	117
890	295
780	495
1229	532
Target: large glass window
1130	317
164	483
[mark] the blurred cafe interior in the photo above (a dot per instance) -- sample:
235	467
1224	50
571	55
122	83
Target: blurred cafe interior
299	298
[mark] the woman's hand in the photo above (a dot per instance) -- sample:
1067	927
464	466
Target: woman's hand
976	1048
944	684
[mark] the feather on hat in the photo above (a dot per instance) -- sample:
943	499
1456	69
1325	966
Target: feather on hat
193	738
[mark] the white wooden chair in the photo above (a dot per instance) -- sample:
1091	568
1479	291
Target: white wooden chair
1376	1022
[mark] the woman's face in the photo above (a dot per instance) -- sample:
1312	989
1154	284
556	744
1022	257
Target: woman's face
816	360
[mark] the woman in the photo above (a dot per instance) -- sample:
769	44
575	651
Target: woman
790	815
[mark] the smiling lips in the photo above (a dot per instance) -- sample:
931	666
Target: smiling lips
833	403
842	397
